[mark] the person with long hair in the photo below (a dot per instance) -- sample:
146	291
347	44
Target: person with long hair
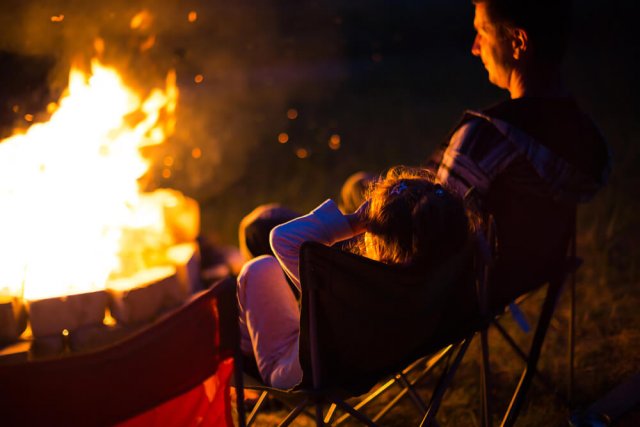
408	219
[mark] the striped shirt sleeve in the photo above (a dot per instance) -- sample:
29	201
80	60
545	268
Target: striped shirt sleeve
476	154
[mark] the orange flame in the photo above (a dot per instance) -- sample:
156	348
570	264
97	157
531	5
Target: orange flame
72	213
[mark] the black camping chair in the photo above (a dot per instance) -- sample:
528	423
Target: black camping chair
362	321
563	272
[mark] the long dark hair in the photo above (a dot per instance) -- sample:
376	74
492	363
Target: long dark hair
412	219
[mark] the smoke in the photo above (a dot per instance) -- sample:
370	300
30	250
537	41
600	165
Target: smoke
234	63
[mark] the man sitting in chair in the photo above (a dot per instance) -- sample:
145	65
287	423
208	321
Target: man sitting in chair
530	159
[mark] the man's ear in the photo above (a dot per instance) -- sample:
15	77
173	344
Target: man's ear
519	42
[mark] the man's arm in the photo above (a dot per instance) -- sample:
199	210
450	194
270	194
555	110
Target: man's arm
475	155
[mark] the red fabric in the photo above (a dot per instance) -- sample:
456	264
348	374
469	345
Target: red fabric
207	405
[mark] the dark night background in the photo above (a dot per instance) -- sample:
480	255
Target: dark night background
391	78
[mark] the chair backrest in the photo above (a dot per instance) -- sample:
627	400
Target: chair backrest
362	319
169	357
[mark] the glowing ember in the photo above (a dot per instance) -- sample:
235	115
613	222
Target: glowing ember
283	138
334	142
72	214
302	153
292	114
141	20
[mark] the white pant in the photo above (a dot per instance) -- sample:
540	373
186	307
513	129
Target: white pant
269	321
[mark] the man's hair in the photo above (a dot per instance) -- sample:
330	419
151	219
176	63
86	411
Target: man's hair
547	23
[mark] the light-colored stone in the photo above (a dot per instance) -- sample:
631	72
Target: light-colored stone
52	315
142	297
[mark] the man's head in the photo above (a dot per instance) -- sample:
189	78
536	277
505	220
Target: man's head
512	34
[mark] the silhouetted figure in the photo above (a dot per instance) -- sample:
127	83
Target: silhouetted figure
529	159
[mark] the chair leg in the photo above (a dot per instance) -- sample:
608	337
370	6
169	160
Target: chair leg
294	413
356	414
254	412
438	393
430	364
319	414
540	376
485	380
572	336
239	386
330	413
519	395
402	379
367	400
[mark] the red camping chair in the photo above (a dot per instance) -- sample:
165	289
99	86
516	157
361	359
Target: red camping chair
176	371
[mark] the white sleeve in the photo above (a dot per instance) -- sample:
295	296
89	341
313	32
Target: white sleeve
325	224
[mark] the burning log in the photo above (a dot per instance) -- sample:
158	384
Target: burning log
51	316
13	319
142	297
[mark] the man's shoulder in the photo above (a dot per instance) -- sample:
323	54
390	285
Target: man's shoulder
560	125
475	130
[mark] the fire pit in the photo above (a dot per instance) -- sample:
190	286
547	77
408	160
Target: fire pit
87	253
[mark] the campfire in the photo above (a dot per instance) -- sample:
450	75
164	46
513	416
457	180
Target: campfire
87	253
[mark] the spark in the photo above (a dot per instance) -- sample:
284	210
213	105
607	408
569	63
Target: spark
334	142
141	20
148	43
199	78
302	153
98	45
283	138
57	18
292	114
192	16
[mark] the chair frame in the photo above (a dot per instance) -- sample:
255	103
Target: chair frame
317	398
554	290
